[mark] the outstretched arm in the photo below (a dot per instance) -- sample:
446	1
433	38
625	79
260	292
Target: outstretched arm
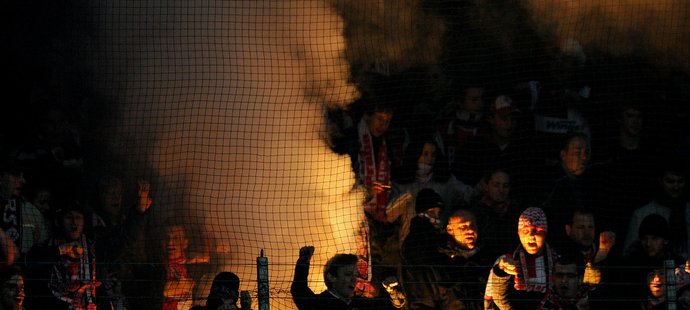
498	284
301	293
607	240
144	200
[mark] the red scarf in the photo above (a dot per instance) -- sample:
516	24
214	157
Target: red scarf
175	271
74	281
374	172
533	270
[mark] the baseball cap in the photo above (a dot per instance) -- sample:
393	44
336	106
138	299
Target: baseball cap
503	105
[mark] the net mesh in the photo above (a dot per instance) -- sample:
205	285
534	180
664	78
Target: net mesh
245	119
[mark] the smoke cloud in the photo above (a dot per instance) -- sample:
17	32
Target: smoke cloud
223	102
659	30
401	34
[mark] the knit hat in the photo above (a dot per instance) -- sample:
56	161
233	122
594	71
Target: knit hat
532	217
427	199
503	105
654	225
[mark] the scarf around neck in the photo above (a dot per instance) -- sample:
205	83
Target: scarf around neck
374	171
11	222
533	270
74	281
453	250
176	270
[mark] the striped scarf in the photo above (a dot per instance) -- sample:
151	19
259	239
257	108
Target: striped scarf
372	171
176	270
11	222
74	281
533	270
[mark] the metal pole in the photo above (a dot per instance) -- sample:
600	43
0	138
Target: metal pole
262	281
670	272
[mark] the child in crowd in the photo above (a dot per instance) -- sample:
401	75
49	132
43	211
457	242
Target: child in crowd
519	280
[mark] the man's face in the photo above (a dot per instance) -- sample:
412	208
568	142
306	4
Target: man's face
73	225
112	199
42	200
378	123
463	228
673	184
652	245
343	283
498	187
503	124
581	231
631	122
575	156
177	242
12	293
565	280
474	100
13	184
428	156
656	282
532	239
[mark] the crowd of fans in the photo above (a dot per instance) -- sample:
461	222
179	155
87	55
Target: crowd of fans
504	204
63	247
495	203
510	199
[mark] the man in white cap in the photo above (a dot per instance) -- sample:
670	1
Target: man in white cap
502	146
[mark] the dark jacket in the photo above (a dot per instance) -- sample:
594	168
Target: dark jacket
305	299
465	273
423	279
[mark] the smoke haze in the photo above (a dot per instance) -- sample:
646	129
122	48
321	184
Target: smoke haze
659	30
403	34
223	102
